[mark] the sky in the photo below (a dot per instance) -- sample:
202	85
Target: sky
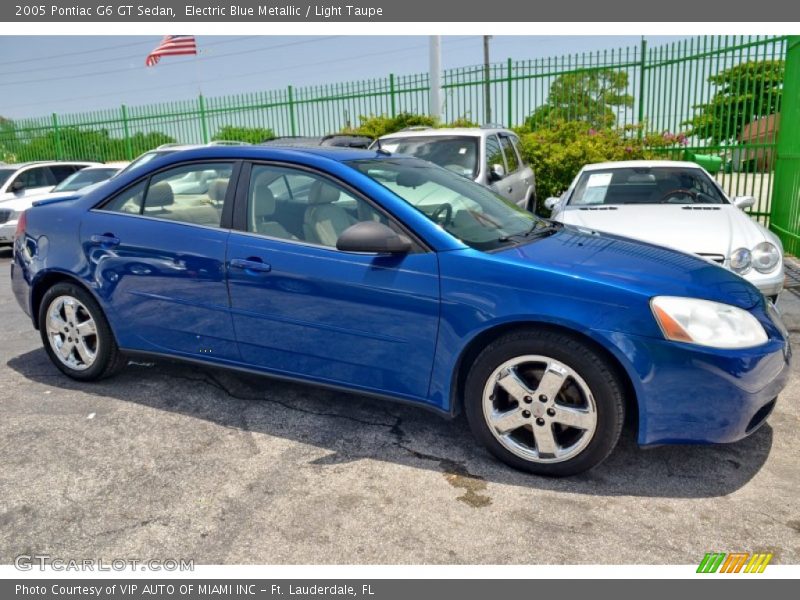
69	74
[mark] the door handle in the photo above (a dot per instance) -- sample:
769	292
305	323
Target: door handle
510	189
106	239
250	264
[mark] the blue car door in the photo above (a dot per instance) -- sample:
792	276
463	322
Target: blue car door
304	309
156	252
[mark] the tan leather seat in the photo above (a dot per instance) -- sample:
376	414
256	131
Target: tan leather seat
323	222
264	206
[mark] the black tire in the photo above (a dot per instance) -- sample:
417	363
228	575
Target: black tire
108	358
595	371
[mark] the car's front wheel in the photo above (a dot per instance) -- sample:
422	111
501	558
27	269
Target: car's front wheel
545	402
76	334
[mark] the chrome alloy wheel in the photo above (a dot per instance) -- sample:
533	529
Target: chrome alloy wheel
539	409
72	333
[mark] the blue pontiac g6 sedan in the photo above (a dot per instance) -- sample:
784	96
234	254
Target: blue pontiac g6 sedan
389	276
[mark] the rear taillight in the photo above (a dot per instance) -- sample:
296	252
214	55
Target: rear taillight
22	222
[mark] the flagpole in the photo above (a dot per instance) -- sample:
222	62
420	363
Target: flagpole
201	100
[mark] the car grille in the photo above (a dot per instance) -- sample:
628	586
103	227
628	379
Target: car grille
598	208
700	208
717	258
5	215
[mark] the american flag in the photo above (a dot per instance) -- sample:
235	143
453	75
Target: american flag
172	45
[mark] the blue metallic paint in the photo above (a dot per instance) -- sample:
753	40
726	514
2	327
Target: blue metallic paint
397	327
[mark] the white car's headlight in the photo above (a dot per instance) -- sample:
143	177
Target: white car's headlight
741	260
707	323
765	257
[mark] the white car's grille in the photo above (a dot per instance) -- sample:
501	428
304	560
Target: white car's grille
598	208
5	215
700	207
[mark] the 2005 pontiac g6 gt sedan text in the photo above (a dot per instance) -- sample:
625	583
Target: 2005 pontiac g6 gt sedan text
393	277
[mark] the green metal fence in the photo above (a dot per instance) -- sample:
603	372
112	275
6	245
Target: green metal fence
732	84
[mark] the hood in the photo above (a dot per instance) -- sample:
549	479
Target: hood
638	267
716	229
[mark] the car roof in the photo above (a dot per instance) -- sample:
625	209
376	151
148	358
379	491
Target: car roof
443	131
273	152
632	164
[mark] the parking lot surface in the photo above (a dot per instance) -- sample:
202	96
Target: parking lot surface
173	461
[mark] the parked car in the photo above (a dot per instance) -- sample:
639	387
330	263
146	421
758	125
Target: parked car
19	180
675	204
487	155
10	210
339	140
330	266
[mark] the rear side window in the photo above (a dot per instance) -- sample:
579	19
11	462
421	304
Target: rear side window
37	177
192	194
510	154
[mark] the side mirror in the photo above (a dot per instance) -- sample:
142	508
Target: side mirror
17	186
373	238
744	201
550	203
497	172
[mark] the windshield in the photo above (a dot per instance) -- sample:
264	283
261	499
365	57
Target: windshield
81	179
646	185
472	213
5	174
455	153
143	159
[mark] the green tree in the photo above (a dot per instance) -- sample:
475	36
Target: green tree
251	135
744	93
592	97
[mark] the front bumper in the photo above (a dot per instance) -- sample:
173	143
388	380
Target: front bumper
770	284
688	394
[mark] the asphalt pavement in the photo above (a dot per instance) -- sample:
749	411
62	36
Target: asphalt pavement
173	461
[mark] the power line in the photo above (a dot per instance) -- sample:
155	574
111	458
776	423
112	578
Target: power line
171	64
27	60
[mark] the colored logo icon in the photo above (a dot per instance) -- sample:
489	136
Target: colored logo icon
735	562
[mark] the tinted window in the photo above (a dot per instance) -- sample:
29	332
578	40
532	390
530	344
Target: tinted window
293	205
61	172
36	177
190	193
510	154
494	155
5	174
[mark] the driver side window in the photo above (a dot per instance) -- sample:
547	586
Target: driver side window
291	204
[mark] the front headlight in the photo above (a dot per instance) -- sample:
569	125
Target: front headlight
741	260
706	323
765	257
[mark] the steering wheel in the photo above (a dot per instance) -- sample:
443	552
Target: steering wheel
686	192
445	209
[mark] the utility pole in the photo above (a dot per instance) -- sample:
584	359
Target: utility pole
487	85
436	76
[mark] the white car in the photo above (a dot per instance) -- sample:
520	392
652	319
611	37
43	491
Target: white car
674	204
79	182
18	180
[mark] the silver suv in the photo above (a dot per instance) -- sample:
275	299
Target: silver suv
489	155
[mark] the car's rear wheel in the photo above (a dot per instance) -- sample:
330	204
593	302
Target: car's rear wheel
545	402
76	334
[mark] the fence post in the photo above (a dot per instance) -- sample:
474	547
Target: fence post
392	101
508	93
126	131
203	123
642	67
292	122
57	134
785	205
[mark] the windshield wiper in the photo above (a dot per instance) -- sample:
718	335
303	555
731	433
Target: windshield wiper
539	228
